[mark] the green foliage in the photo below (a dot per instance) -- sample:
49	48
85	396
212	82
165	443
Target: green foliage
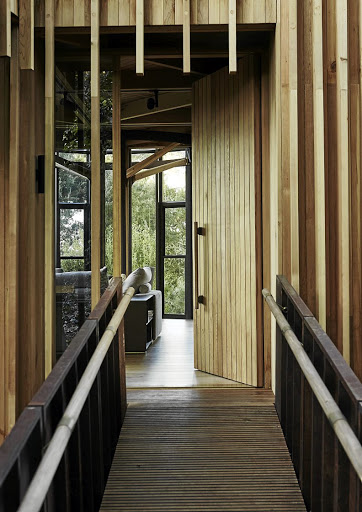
72	188
72	265
144	240
108	219
109	249
71	232
70	136
175	286
144	223
75	189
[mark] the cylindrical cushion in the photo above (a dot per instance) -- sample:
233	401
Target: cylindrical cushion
152	269
136	278
144	288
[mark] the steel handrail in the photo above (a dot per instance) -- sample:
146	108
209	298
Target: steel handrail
39	486
338	422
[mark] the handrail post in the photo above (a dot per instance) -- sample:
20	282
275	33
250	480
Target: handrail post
316	413
48	466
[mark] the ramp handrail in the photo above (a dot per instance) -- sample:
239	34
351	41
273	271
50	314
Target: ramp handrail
39	486
340	425
318	399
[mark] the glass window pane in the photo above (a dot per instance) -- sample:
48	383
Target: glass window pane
139	157
144	223
174	184
72	265
175	231
72	187
73	306
174	155
174	286
71	232
108	191
72	144
74	156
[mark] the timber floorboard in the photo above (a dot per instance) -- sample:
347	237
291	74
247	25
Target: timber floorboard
202	450
169	361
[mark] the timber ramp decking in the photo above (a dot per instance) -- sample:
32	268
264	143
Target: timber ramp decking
201	450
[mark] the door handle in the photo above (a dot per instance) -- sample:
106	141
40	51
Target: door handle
198	299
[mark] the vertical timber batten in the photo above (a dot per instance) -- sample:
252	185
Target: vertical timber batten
343	178
265	188
293	141
357	346
4	151
117	169
140	61
319	181
26	34
232	37
49	312
186	36
5	28
275	175
12	242
95	156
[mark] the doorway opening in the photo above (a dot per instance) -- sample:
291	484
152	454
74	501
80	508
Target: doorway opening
160	234
165	230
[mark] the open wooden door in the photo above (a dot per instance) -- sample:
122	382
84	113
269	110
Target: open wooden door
226	174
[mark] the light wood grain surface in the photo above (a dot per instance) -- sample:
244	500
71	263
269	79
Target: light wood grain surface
159	12
169	361
226	122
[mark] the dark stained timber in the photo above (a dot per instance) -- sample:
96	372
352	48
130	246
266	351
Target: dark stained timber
82	474
326	477
201	449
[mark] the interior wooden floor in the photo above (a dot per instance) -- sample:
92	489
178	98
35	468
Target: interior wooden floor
202	450
169	362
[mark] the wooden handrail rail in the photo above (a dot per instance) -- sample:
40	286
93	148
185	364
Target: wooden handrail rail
44	475
337	420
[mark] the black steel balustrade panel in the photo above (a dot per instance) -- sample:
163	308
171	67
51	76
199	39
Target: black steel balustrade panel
20	456
81	476
66	493
327	479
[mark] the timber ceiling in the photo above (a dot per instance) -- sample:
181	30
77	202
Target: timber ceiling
163	72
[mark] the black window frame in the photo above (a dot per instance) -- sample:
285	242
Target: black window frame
161	206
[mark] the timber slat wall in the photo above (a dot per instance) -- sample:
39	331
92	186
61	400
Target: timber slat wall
21	233
201	450
31	234
328	151
157	12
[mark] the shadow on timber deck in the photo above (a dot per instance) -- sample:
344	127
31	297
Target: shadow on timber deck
202	450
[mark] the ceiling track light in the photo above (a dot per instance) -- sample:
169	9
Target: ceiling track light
153	102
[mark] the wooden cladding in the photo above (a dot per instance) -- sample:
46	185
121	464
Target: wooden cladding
5	28
227	206
26	33
21	234
140	45
117	168
49	256
74	13
24	9
96	156
326	175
